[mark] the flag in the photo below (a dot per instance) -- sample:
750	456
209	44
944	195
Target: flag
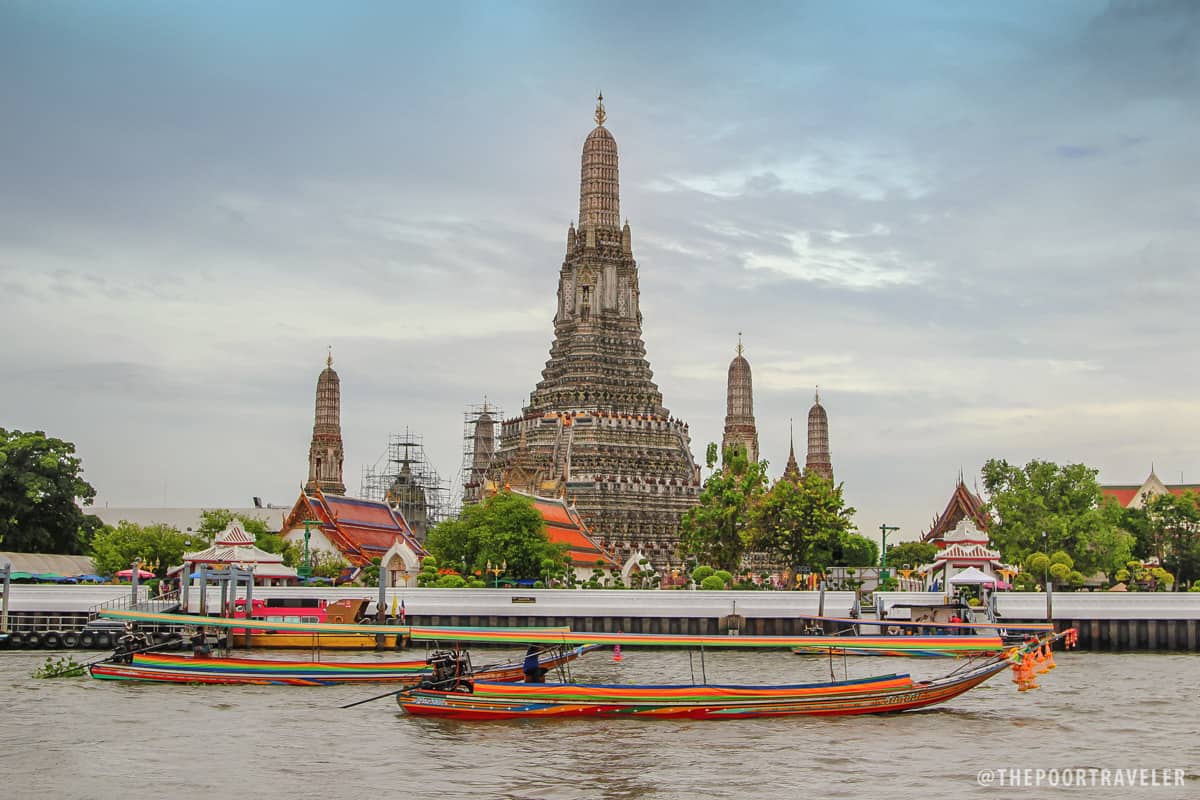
402	612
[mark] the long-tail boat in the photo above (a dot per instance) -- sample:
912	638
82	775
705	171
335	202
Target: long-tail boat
481	700
166	668
910	646
813	643
913	639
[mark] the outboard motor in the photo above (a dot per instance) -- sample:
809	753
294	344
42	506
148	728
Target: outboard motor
450	671
131	642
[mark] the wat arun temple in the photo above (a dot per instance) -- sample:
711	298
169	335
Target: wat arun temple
595	430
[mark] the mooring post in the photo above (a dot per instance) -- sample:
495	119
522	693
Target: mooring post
6	574
249	602
1049	601
381	608
133	582
821	603
185	582
204	590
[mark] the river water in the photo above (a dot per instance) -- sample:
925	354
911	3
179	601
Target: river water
82	738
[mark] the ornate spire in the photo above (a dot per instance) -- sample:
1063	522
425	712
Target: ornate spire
599	188
325	453
792	471
818	460
740	430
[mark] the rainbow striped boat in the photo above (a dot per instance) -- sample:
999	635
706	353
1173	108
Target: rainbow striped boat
910	646
164	668
885	694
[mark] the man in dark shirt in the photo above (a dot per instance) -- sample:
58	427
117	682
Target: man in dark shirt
533	670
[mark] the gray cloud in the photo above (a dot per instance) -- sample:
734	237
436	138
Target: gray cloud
975	227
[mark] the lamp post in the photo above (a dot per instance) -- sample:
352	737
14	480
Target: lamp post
496	570
884	530
305	569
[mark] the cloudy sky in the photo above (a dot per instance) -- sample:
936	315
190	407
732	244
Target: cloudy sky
974	225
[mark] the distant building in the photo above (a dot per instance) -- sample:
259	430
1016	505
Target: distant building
963	504
961	548
741	434
819	459
233	546
325	453
564	525
481	449
595	426
791	472
357	530
1136	496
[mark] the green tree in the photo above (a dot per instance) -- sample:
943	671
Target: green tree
41	489
716	530
369	576
429	572
1025	582
1062	502
1037	564
326	564
158	547
803	523
712	582
1174	533
912	553
504	529
854	550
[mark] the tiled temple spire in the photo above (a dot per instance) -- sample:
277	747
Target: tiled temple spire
792	471
325	454
740	431
819	460
599	184
595	427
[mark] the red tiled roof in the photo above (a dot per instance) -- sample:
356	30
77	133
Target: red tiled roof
565	526
1122	494
963	504
1126	494
360	529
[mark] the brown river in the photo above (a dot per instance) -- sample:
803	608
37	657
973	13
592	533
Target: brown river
1101	726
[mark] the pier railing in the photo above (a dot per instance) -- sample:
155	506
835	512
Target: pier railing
160	604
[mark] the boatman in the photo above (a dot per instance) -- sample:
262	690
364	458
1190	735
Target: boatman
533	670
200	646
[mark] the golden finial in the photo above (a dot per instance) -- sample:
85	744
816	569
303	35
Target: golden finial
600	115
329	357
740	349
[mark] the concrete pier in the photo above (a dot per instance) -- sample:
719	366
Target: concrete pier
1161	621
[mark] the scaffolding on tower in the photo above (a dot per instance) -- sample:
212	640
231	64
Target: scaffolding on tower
480	423
403	478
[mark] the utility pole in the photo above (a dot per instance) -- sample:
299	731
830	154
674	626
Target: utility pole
884	530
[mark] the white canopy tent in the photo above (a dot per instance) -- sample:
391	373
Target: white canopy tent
972	576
